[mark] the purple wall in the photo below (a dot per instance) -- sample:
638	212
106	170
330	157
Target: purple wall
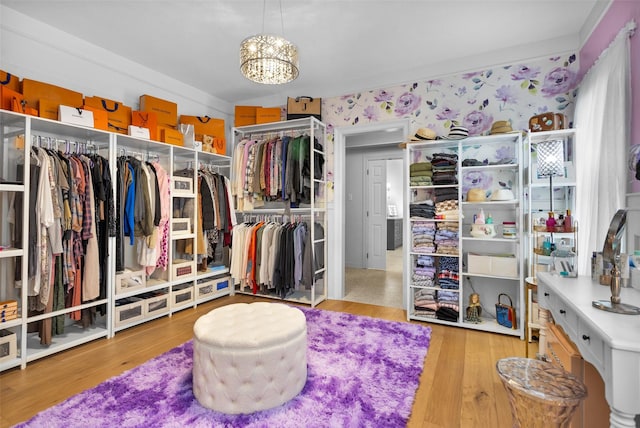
620	12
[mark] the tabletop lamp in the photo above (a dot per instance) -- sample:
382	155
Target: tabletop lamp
550	162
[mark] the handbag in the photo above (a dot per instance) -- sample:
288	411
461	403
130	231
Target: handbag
505	314
301	107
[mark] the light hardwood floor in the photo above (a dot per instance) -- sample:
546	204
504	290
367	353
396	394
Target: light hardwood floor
459	386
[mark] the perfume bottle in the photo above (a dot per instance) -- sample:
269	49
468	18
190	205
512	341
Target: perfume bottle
551	222
568	222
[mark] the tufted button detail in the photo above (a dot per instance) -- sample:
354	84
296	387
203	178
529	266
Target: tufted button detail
242	351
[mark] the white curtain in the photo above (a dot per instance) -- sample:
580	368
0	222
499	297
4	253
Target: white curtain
603	122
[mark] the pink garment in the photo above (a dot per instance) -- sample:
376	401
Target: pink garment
162	244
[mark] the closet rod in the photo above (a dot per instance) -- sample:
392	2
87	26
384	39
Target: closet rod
141	156
82	147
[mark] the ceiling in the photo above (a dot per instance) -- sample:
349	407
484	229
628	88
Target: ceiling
345	46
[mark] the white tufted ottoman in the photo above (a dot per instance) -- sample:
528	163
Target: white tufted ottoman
249	356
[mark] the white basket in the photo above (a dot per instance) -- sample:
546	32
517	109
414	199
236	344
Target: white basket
130	280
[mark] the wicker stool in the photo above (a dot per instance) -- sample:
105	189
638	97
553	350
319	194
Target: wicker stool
249	356
541	394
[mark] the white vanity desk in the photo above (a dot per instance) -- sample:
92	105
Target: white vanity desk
609	341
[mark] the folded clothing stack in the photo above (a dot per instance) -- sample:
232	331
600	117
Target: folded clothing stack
447	210
424	271
423	209
420	174
445	194
423	233
444	167
446	238
424	303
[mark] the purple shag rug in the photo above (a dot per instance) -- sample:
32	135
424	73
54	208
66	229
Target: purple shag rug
362	372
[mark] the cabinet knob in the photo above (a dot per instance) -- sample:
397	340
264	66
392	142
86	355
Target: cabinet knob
562	311
585	337
546	294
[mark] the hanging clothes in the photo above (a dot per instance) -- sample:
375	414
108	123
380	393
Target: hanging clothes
70	202
276	258
275	169
143	204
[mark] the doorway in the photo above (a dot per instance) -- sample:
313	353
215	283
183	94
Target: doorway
373	204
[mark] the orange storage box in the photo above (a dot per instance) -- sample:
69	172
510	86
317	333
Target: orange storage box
170	136
268	114
118	114
33	91
245	115
166	111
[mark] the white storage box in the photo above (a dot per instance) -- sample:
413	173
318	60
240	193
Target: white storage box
181	269
131	310
478	263
139	132
212	286
181	226
156	305
182	185
75	116
8	345
494	264
130	280
182	295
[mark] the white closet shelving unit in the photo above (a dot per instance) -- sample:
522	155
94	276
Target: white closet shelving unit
488	266
314	213
130	298
55	135
185	283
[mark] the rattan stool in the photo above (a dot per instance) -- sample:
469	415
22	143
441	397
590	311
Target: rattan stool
540	394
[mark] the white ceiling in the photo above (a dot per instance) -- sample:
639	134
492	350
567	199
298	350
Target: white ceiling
344	46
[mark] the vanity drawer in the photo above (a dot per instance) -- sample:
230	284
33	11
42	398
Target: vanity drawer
545	298
591	345
566	317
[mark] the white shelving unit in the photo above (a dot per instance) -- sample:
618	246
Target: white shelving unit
487	266
13	257
121	304
537	190
281	211
18	129
185	283
540	200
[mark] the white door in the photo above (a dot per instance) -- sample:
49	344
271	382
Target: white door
376	215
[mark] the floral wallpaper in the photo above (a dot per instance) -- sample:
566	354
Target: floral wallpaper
474	100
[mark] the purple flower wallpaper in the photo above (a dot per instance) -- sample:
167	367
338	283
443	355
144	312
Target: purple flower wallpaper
474	100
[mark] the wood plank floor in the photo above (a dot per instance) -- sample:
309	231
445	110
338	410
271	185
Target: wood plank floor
459	386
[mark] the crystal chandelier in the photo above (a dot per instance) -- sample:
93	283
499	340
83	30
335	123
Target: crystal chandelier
268	59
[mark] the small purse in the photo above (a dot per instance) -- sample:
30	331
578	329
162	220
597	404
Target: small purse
505	314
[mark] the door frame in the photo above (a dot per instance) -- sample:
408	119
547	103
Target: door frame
336	208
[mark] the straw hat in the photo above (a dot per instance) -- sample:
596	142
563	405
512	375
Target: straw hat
422	134
500	127
476	194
